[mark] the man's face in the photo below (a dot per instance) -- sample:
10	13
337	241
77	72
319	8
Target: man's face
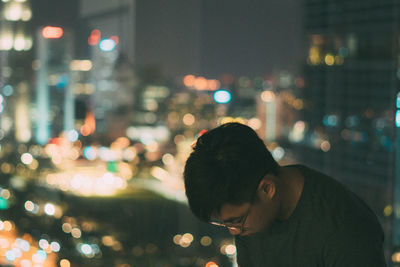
248	218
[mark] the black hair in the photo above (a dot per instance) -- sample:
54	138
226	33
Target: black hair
225	166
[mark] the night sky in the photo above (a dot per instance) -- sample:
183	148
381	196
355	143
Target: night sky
204	37
212	37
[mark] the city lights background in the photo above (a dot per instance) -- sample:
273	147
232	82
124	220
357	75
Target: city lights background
101	101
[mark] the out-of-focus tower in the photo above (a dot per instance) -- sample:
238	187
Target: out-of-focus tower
351	82
54	98
112	45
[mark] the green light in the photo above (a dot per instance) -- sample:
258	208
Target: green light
3	203
112	167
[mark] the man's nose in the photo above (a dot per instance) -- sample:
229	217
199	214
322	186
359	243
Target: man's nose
234	231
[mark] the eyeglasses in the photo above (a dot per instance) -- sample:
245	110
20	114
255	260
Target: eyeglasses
234	226
238	226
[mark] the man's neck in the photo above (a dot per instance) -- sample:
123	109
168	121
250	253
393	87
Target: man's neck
291	183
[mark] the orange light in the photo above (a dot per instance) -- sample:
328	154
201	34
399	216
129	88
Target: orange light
188	80
200	83
115	39
94	37
49	32
211	264
213	85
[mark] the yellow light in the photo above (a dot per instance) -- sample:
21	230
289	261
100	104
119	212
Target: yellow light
205	241
26	14
388	210
108	240
66	227
65	263
396	257
188	119
268	96
325	146
137	251
80	65
329	59
314	55
76	232
298	104
187	238
7	226
5	193
339	60
177	239
255	124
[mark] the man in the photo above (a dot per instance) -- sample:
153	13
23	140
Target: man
289	216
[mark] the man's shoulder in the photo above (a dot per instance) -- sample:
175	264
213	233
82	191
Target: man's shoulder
335	201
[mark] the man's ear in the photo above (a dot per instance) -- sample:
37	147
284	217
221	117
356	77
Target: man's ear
267	187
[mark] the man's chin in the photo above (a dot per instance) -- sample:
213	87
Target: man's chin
247	233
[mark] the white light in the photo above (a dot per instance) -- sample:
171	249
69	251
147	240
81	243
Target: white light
107	45
24	245
29	205
26	158
278	153
230	249
72	135
6	41
43	244
26	263
222	96
39	257
10	255
55	246
86	249
19	42
13	12
49	209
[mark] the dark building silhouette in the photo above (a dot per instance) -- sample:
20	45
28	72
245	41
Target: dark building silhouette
351	83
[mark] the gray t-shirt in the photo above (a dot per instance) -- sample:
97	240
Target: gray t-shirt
330	227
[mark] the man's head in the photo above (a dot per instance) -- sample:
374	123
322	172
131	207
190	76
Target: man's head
226	172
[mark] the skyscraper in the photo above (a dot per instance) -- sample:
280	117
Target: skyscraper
351	83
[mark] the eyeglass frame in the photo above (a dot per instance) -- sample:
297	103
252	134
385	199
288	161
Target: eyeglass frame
229	226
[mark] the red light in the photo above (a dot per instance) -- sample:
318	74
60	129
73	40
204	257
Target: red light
95	37
115	39
49	32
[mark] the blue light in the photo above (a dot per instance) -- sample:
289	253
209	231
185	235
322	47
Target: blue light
10	255
222	96
62	81
330	120
89	153
398	101
8	90
398	119
107	45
